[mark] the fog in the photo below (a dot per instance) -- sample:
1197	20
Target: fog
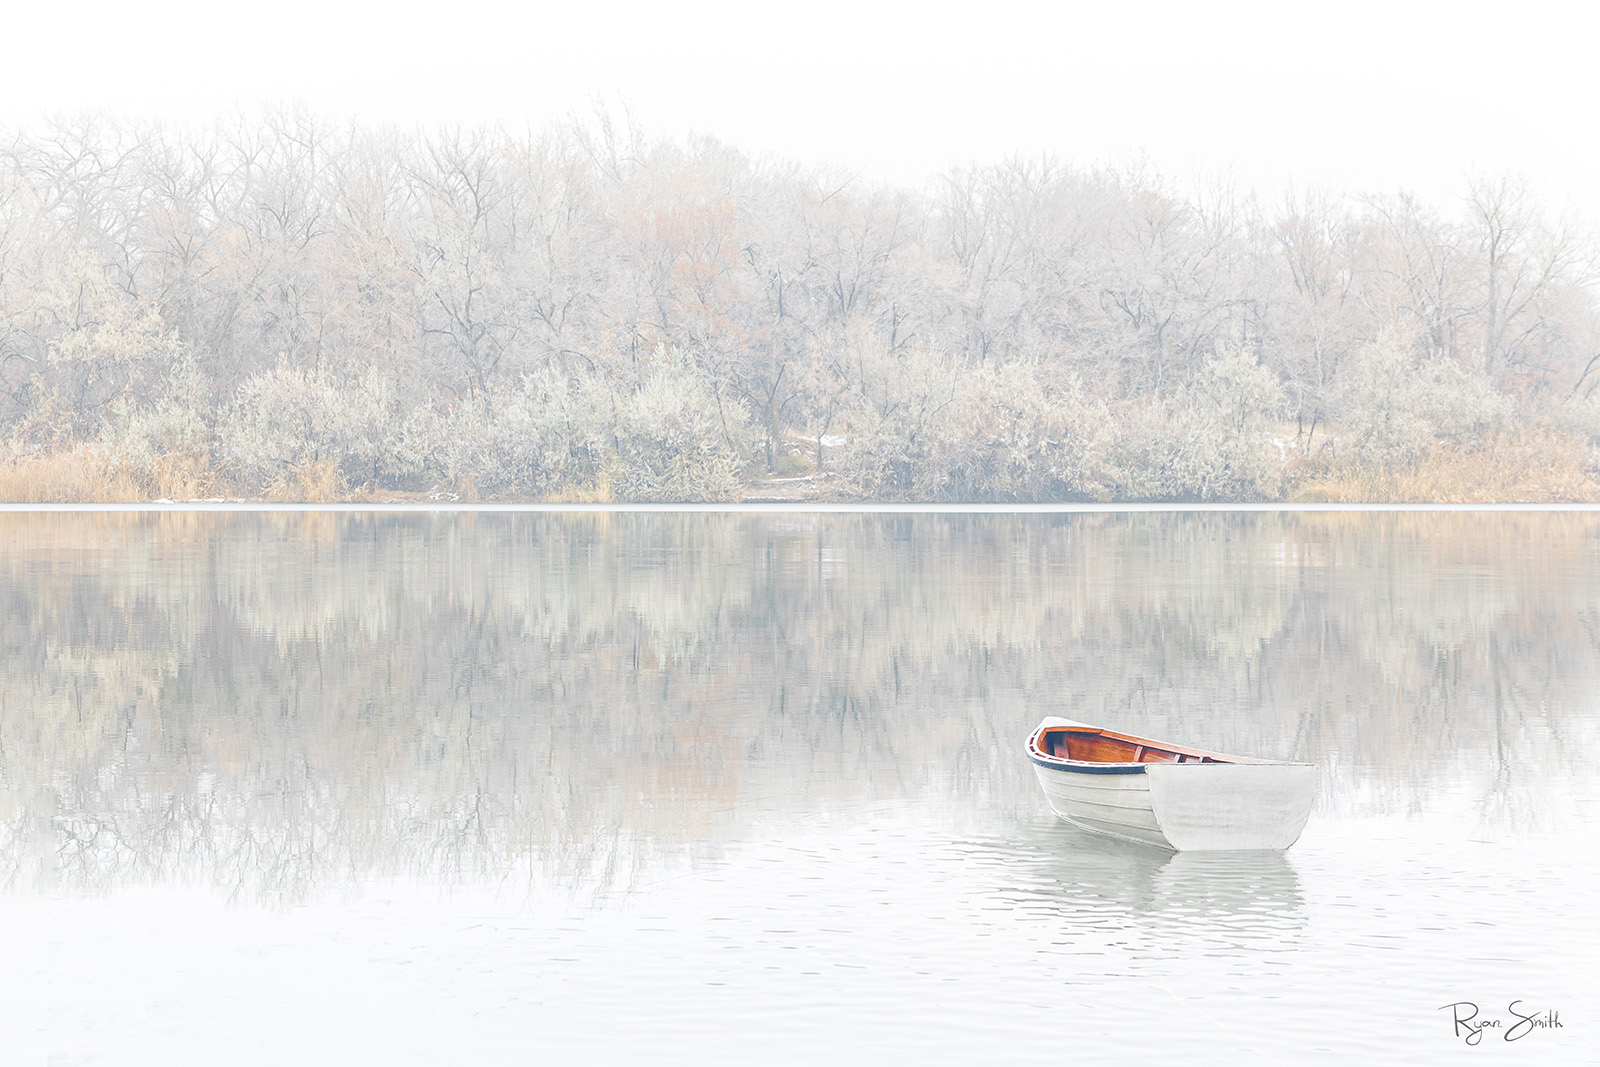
1356	96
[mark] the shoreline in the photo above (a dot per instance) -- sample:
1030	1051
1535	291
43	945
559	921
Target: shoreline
769	507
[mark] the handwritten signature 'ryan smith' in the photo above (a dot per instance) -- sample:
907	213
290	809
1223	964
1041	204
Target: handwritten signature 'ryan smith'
1471	1028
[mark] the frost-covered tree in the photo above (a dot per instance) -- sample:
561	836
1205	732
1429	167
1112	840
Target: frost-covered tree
677	437
487	310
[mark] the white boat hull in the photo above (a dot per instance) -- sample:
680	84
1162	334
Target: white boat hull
1108	803
1189	807
1194	806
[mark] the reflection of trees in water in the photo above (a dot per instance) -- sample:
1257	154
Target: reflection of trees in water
280	700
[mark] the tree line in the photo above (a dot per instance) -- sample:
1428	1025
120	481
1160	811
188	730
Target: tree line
280	305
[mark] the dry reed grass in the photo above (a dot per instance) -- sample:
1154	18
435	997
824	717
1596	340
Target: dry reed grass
1534	465
90	474
184	476
316	481
597	491
81	475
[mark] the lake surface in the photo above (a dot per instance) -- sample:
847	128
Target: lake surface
341	788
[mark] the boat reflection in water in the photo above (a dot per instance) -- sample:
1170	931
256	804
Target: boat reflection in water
1094	890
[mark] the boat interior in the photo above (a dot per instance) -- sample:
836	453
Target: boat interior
1101	746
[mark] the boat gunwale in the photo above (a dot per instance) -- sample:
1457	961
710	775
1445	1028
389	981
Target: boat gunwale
1052	724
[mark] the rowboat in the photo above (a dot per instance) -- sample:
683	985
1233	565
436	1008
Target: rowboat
1169	795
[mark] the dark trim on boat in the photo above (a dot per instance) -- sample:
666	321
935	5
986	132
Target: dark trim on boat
1084	767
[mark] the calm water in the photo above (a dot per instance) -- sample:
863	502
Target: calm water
492	789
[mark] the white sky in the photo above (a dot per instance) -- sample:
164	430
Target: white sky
1356	95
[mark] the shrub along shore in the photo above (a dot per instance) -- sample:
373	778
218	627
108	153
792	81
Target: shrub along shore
283	308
